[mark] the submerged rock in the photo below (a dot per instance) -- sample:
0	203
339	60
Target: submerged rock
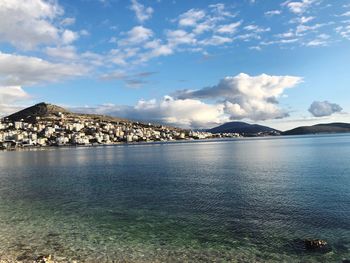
44	259
313	244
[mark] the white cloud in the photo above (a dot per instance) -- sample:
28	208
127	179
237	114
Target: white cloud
68	21
273	12
120	57
196	29
316	43
299	7
84	32
203	27
140	44
301	29
220	11
26	24
69	36
191	17
344	31
136	35
178	112
346	14
178	37
18	70
64	53
92	58
244	96
324	108
216	41
142	13
302	19
229	28
239	97
155	49
258	48
10	96
282	41
286	35
257	29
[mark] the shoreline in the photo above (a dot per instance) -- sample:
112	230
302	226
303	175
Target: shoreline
38	148
67	146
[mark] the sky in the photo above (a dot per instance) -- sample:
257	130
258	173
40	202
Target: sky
187	63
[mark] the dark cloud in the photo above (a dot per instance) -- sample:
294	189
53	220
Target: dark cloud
131	80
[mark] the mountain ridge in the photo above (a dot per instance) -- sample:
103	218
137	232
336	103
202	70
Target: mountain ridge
45	110
242	128
335	127
38	110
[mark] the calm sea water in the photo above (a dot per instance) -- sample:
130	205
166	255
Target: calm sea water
245	200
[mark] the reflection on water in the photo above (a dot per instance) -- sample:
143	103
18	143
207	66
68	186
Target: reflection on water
249	200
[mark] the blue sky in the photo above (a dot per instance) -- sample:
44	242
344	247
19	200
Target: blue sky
187	63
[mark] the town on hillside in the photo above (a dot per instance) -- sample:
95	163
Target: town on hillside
45	127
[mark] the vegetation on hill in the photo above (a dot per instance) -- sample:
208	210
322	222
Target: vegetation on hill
320	128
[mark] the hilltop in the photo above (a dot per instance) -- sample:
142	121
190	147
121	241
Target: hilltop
337	127
46	111
42	110
49	125
243	128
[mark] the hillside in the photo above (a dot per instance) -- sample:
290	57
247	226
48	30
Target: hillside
242	128
320	128
38	110
49	112
46	111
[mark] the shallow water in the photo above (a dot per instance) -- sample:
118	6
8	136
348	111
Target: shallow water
243	200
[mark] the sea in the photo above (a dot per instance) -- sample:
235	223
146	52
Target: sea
236	200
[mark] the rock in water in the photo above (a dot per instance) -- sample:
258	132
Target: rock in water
44	259
313	244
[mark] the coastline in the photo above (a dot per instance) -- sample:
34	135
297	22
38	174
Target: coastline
218	139
67	146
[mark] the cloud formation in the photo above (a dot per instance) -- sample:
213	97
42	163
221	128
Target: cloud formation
233	98
299	7
16	70
131	80
187	113
12	94
9	96
273	12
28	24
244	96
324	108
142	13
194	30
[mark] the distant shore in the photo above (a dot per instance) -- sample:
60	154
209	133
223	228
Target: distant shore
33	147
69	146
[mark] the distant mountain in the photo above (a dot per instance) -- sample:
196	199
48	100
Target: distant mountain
320	128
242	128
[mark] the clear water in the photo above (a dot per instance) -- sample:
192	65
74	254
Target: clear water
245	200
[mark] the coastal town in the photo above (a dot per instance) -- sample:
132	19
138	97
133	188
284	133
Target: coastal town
46	126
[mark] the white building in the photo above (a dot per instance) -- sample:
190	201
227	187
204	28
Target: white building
19	125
